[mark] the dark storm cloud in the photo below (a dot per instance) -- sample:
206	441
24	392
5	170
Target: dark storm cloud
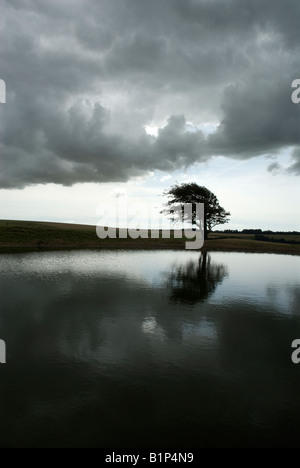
85	77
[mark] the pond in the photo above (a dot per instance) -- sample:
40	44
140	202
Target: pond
149	349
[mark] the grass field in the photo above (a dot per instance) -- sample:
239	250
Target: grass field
22	236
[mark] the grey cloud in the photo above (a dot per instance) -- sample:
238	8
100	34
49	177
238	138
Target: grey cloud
274	168
259	117
292	169
295	166
85	76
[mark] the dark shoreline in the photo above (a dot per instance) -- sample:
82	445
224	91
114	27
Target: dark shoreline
210	246
22	237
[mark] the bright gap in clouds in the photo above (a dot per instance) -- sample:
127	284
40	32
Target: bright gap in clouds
208	128
151	130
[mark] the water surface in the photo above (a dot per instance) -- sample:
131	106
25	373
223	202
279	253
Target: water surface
149	349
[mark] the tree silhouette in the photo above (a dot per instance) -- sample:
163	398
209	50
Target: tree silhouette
192	193
195	281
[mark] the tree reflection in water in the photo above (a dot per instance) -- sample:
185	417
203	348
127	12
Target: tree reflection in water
195	281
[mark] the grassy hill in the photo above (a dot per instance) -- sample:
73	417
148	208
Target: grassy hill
22	236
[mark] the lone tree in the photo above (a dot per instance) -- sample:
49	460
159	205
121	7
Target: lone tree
192	193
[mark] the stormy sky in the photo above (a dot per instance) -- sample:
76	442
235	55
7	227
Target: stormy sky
110	92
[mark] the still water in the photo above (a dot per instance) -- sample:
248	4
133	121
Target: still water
149	349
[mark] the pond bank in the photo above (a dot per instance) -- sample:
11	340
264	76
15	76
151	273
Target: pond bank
22	236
